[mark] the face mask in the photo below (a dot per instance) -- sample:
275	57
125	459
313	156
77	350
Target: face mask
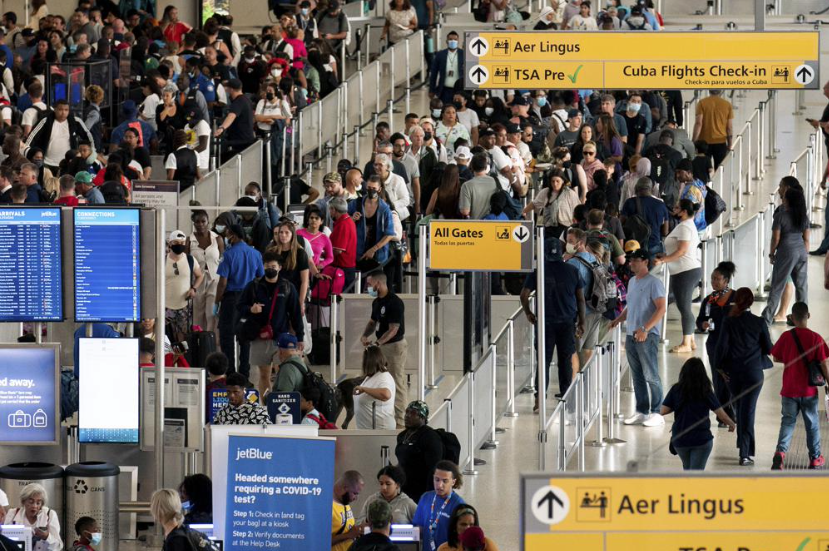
304	11
96	538
542	102
371	193
269	96
567	164
254	197
277	72
427	136
38	163
372	292
270	273
453	44
571	249
249	59
178	248
458	105
634	107
220	228
436	113
488	111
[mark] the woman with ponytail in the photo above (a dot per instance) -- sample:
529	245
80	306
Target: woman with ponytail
741	356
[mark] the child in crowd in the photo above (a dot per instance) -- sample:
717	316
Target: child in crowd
89	534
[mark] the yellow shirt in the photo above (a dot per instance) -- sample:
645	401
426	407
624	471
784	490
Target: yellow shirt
342	520
716	112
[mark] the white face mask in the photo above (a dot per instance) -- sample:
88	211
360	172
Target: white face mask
436	113
488	111
571	249
276	71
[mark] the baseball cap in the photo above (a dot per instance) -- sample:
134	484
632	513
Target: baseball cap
83	177
420	407
631	245
287	341
177	235
463	152
487	132
234	83
129	108
332	177
513	128
639	253
518	100
473	538
572	113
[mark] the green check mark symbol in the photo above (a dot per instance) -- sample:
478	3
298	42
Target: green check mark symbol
575	75
803	544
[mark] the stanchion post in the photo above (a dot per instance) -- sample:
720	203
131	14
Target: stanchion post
601	354
511	368
666	281
470	466
421	294
579	391
158	442
332	342
492	442
542	376
432	299
408	79
614	389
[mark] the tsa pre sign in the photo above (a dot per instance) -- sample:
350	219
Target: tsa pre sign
480	246
279	493
659	513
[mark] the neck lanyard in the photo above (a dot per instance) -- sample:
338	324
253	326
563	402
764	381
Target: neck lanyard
433	523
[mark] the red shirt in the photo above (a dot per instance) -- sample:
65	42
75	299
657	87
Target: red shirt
175	31
344	237
795	374
68	201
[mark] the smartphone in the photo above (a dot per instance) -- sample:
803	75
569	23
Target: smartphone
811	120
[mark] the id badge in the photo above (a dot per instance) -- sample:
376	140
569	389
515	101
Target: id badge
450	73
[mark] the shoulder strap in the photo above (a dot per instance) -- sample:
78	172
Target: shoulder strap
273	303
585	262
799	345
191	263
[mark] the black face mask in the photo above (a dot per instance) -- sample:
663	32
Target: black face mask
372	193
567	164
177	248
269	96
458	105
270	273
427	136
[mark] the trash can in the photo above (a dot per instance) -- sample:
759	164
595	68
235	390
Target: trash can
92	491
17	475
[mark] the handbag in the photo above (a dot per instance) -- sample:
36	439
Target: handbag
266	331
813	366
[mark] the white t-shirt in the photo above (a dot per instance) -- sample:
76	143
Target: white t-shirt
30	115
202	128
469	119
684	231
579	23
385	410
268	109
58	143
148	109
501	162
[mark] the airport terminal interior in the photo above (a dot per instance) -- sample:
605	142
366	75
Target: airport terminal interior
468	364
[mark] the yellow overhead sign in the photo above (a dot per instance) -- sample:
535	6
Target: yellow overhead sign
678	60
476	245
659	513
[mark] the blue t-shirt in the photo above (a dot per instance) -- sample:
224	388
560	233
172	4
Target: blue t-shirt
692	424
641	294
585	273
432	516
241	264
654	212
99	331
561	281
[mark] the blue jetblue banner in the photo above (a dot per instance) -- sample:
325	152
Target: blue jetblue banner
279	493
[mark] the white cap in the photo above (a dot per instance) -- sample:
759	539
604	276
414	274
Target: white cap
545	11
177	235
463	152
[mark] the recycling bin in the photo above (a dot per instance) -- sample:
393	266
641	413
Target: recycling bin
17	475
92	491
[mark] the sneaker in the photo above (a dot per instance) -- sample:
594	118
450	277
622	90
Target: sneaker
777	461
654	420
818	253
636	419
817	463
746	462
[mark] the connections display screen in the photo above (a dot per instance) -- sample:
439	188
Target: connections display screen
108	391
29	411
30	264
107	265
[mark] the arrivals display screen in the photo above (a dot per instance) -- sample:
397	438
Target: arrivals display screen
29	379
108	391
107	265
30	264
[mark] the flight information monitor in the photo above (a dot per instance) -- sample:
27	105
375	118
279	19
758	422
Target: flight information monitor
30	264
107	265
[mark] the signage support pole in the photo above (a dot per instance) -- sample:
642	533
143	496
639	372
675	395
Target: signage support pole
421	313
542	372
759	15
160	231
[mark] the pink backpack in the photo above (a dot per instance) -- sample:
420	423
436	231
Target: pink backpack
326	288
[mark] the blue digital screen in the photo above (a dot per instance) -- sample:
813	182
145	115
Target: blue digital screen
28	404
30	264
107	265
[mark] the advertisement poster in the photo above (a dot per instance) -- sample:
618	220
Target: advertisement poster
279	493
28	401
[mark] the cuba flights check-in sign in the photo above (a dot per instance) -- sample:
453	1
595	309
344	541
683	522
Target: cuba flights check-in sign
650	60
480	246
675	513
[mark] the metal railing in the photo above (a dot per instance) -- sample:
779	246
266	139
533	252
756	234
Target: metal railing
808	168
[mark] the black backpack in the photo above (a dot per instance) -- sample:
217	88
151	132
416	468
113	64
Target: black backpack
199	541
714	206
451	446
512	208
636	227
330	398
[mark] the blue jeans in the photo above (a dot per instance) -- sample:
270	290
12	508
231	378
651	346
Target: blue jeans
644	368
694	458
808	407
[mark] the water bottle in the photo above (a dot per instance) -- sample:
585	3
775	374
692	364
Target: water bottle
710	324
